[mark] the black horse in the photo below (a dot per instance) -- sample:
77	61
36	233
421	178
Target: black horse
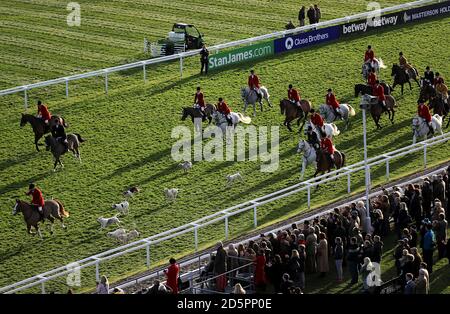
39	126
427	91
440	107
362	89
401	76
195	113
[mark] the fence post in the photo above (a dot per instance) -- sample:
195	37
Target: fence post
226	227
25	95
43	287
196	238
387	169
181	66
425	155
67	88
309	196
145	72
148	254
255	216
97	271
348	183
106	83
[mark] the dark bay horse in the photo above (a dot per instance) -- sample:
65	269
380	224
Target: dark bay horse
39	126
324	164
53	209
439	107
291	112
195	113
58	149
376	110
361	89
426	91
401	77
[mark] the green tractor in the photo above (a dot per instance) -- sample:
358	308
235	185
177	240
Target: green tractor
182	37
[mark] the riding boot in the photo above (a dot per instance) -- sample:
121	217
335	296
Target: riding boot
230	123
203	115
431	129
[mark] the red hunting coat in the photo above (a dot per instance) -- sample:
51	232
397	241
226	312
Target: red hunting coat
38	199
327	145
45	114
317	119
199	99
424	112
293	95
331	101
253	81
223	108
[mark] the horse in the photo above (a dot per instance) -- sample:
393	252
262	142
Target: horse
376	110
420	127
236	117
401	76
39	126
249	97
361	89
329	130
291	111
195	113
440	107
427	91
58	149
328	113
366	67
53	209
321	163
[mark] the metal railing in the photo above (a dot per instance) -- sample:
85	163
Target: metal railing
180	56
224	215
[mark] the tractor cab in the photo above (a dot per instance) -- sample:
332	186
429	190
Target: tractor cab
188	33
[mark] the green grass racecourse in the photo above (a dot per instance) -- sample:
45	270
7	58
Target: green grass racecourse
128	131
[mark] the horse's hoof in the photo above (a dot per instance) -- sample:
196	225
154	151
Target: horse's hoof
51	232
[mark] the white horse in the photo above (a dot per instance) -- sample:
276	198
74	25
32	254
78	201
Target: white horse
330	129
221	121
309	155
421	129
345	110
376	64
250	97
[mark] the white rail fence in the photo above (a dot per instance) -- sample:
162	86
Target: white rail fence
224	215
180	56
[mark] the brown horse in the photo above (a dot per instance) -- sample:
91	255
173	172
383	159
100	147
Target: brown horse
324	164
52	210
195	113
58	149
291	112
376	110
39	126
439	107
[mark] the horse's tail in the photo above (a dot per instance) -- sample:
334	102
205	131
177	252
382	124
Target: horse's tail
335	129
80	139
62	211
265	91
282	108
343	159
381	64
438	117
351	111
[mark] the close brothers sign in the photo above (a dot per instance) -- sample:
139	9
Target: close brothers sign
323	35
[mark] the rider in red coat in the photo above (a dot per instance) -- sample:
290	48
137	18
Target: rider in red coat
172	275
223	108
293	95
38	199
331	101
43	112
316	118
327	146
253	83
378	91
199	101
424	112
372	78
369	55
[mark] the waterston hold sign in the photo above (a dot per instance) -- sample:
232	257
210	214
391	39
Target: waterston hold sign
243	54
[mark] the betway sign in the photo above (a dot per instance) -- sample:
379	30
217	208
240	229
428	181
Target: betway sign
366	25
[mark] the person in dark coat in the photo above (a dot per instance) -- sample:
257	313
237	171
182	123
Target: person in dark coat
301	17
204	54
317	13
220	267
311	14
429	75
427	198
353	259
275	272
286	284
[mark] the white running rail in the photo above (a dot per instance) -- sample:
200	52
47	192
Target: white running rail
180	56
225	214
